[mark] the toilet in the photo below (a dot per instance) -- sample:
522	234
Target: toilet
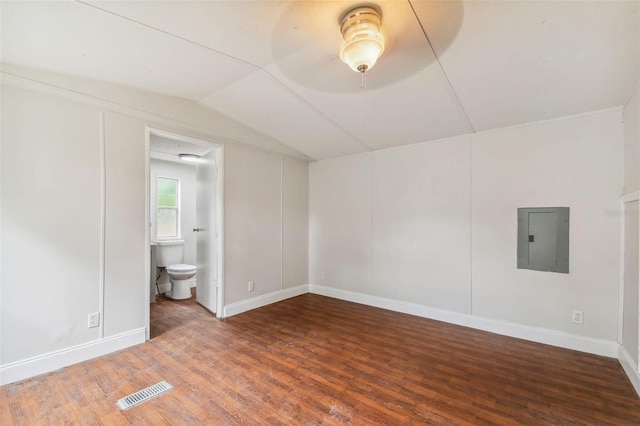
170	255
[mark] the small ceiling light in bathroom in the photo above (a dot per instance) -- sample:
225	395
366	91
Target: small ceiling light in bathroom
189	157
363	42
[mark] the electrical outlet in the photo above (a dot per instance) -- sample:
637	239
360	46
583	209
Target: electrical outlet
94	320
252	286
577	317
323	276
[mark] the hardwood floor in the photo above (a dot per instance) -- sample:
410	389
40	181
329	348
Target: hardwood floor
316	360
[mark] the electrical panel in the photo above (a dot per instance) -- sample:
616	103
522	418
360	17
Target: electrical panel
543	239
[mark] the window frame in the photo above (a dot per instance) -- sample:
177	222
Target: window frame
178	209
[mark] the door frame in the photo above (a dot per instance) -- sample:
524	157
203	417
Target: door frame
219	149
627	198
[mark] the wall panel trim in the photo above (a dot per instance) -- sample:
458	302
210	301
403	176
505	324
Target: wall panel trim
159	121
627	198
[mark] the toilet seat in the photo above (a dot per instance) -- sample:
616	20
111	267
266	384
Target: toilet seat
181	268
180	276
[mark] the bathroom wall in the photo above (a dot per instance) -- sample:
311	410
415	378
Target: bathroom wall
186	172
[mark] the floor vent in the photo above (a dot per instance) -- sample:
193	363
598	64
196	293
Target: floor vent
143	395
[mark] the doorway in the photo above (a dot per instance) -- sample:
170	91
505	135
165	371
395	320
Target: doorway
185	207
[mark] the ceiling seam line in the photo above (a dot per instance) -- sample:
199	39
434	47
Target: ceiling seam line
314	108
435	55
254	66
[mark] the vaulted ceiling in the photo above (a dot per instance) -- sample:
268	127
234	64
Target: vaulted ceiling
450	67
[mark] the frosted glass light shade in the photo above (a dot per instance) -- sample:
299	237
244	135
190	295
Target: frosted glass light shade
363	43
192	158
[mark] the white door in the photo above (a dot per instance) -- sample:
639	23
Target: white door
206	196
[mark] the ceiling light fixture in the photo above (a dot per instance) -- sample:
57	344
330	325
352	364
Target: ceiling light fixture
189	157
363	42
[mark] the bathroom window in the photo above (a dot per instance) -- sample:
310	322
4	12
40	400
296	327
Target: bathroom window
168	208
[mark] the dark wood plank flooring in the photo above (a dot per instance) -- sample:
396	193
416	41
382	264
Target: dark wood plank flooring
315	360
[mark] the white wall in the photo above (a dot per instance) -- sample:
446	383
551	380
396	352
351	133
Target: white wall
73	225
74	218
632	143
253	226
395	224
575	162
295	222
421	203
435	223
340	222
51	224
125	224
186	172
265	223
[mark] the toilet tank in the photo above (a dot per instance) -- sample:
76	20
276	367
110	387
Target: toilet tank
170	252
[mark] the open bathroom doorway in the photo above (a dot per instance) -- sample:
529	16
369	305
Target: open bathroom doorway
185	205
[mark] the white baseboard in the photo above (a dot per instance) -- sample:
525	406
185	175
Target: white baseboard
41	364
535	334
263	300
629	366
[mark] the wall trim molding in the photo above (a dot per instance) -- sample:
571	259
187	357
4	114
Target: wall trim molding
30	367
631	196
629	367
534	334
51	361
158	120
624	199
263	300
